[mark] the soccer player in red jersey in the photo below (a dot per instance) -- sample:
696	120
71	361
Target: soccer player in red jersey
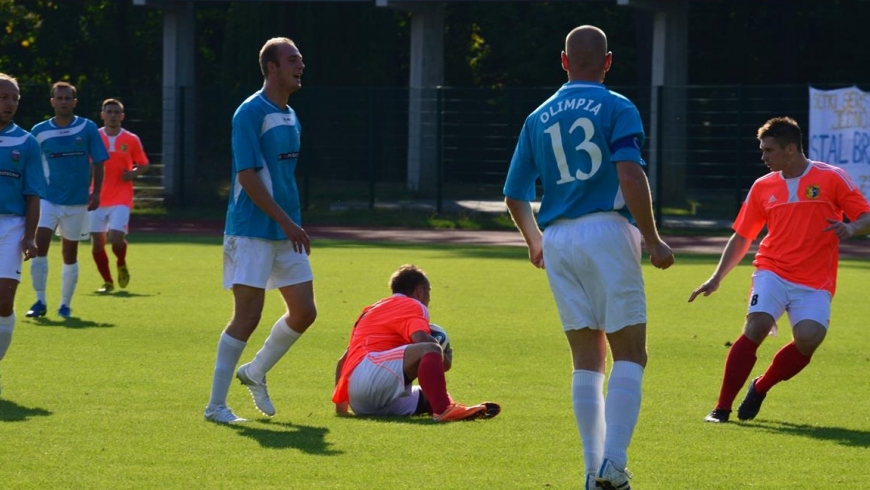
110	222
802	203
391	346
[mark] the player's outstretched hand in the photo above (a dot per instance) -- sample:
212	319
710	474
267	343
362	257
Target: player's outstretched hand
298	237
842	230
709	286
661	255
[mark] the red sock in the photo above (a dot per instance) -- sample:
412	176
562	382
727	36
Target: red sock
786	363
102	260
120	251
430	372
741	358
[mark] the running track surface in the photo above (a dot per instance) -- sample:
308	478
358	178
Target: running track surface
858	247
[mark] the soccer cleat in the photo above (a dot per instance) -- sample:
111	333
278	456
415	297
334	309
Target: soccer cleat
718	416
258	391
123	276
107	287
610	478
751	404
491	410
458	411
38	309
222	415
64	311
590	482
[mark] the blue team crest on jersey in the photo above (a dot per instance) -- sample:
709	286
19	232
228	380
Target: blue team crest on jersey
16	156
79	141
812	192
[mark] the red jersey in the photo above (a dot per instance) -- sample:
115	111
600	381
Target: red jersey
385	325
125	150
795	212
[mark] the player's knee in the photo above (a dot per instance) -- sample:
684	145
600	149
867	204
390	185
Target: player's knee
807	338
304	317
246	320
758	326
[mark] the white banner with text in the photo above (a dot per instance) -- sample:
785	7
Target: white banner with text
840	131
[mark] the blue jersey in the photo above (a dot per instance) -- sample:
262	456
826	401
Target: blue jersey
572	143
20	170
67	153
266	139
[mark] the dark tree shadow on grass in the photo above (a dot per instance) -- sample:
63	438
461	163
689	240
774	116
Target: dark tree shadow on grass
285	435
13	412
72	322
839	435
121	294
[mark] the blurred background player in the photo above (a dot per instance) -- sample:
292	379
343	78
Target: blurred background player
802	204
72	159
584	144
21	183
265	246
390	346
111	220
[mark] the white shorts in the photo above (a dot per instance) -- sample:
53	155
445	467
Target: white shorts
70	222
265	264
774	295
110	218
377	385
593	266
11	258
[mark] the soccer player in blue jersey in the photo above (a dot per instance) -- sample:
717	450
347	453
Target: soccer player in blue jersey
72	152
583	143
21	183
264	244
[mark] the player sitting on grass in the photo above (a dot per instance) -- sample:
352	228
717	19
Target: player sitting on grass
390	346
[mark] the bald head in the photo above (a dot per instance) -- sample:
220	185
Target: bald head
586	50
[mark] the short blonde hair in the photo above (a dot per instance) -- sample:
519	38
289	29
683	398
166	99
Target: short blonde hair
58	85
269	52
112	102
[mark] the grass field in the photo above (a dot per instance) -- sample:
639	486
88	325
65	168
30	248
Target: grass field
113	398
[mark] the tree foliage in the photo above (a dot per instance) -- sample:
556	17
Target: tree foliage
114	44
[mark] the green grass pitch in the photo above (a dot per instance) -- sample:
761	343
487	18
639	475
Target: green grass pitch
113	398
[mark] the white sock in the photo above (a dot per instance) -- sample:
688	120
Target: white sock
7	324
69	278
622	408
229	352
587	390
39	276
277	344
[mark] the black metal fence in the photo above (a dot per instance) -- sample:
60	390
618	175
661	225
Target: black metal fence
355	140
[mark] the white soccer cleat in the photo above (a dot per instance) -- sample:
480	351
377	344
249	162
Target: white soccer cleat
611	478
258	391
222	415
590	482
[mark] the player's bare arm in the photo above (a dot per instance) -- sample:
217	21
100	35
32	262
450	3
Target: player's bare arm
733	253
635	189
31	218
135	172
341	408
844	231
421	336
97	176
524	219
255	189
